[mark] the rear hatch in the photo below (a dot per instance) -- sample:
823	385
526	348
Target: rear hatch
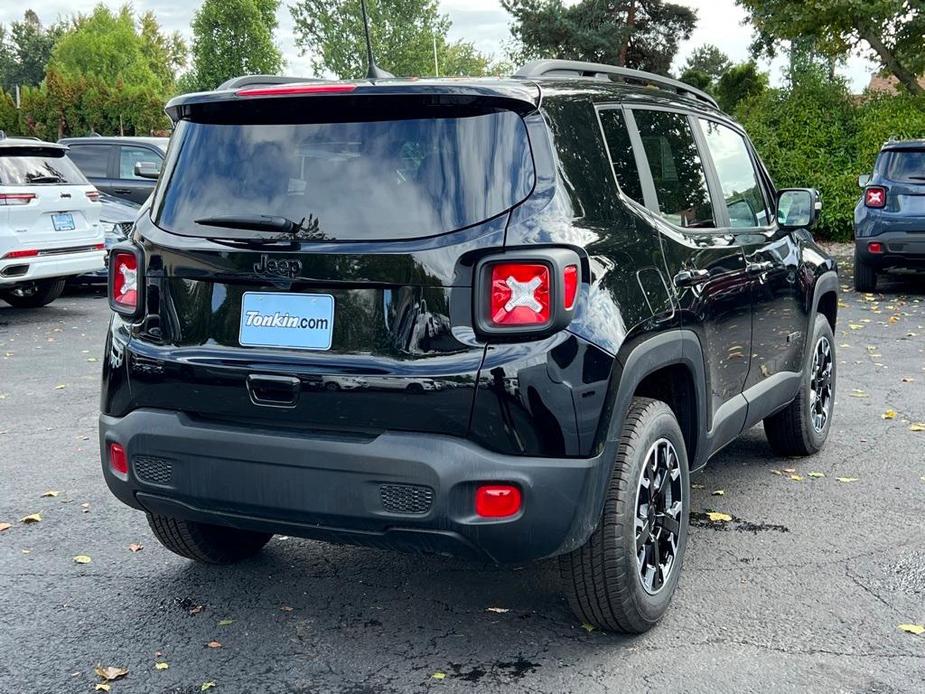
306	252
904	171
47	204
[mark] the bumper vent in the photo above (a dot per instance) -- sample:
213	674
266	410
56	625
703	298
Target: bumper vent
153	470
406	498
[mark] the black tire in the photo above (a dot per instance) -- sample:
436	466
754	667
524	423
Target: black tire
602	578
865	277
209	544
794	431
35	294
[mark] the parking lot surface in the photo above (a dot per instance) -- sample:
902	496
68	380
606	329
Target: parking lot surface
803	590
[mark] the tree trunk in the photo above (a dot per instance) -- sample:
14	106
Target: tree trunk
630	24
906	77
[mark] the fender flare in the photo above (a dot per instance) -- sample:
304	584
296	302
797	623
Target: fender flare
827	282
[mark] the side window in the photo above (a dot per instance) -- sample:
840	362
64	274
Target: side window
677	169
92	160
129	156
621	153
737	177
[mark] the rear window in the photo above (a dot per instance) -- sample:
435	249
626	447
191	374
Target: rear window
348	181
33	166
907	165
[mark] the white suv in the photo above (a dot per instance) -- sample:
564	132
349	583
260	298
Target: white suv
49	222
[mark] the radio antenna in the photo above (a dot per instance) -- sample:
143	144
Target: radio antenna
373	71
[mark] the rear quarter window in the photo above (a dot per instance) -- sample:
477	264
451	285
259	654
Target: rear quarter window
349	181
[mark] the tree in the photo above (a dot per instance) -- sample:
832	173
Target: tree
697	78
27	50
708	60
166	55
403	33
892	29
739	83
233	38
641	34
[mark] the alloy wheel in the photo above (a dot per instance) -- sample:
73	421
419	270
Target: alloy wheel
658	521
820	386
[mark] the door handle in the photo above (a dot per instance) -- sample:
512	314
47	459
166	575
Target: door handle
691	278
759	268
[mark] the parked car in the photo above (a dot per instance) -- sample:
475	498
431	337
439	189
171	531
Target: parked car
49	222
889	220
606	272
126	167
117	216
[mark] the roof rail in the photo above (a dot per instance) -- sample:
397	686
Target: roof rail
264	80
576	68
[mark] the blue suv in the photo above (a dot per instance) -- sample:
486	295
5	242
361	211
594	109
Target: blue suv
889	220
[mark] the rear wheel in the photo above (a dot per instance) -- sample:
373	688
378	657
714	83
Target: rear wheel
802	428
209	544
865	277
623	577
34	294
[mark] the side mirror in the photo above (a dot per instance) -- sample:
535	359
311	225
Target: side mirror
798	208
863	180
147	169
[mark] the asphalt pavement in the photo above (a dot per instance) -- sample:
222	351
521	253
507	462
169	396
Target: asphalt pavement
804	590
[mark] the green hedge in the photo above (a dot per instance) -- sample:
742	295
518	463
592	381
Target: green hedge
814	133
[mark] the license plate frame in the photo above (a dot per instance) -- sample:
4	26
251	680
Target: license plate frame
63	221
286	320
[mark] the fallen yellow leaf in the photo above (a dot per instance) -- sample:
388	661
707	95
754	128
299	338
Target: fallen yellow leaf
717	517
856	393
5	526
719	492
816	475
102	687
161	666
50	492
214	644
588	627
82	559
31	518
206	686
60	387
797	478
135	547
912	628
855	326
439	676
225	622
777	472
889	414
110	673
917	426
847	479
790	470
499	610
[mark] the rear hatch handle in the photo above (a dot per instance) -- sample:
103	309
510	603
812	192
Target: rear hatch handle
273	391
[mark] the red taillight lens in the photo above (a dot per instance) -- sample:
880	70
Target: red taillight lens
290	89
29	253
124	290
16	198
497	500
875	196
93	195
570	286
519	294
118	461
875	247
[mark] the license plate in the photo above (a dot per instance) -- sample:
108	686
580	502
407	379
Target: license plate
288	321
63	221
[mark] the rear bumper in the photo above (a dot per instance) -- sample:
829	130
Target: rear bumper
900	249
330	487
18	270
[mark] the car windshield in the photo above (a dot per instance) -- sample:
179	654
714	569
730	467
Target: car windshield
353	181
33	166
907	165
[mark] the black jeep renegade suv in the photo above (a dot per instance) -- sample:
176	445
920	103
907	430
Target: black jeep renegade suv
496	319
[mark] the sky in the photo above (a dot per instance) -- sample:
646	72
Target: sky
483	22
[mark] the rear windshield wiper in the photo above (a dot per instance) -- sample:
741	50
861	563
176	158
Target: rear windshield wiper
45	179
253	222
917	178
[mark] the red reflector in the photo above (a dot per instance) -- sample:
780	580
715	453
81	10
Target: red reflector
16	198
118	461
125	280
519	294
875	247
100	246
570	282
497	500
289	89
31	253
875	196
93	195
